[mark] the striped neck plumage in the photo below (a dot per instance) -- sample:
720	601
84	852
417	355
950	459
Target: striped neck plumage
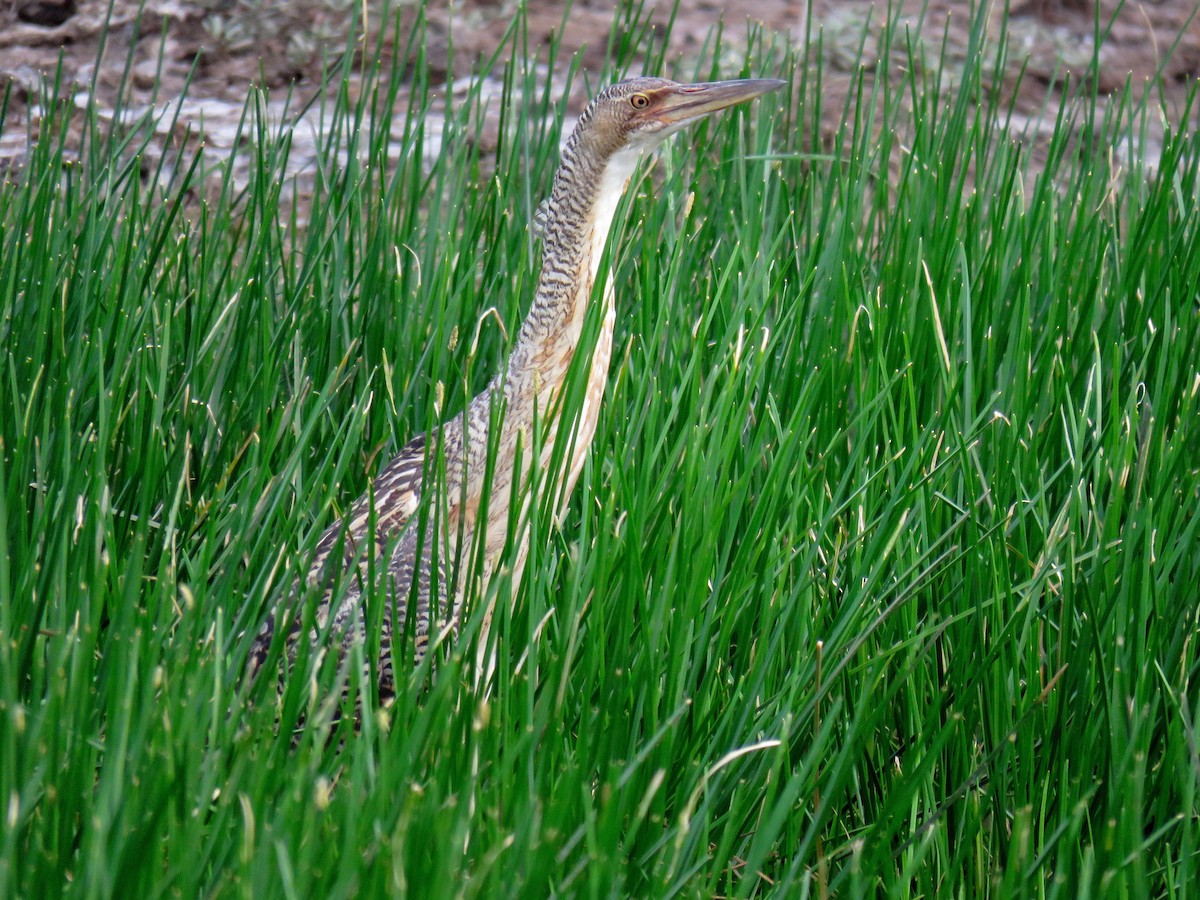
587	191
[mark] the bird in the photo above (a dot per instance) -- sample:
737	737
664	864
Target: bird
470	462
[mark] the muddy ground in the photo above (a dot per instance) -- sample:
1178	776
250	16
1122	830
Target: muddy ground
226	46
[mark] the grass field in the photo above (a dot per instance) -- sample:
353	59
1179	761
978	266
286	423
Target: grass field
882	578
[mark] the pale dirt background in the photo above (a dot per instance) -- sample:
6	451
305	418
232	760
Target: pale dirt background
236	44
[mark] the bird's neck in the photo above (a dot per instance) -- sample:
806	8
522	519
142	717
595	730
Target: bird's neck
610	188
587	190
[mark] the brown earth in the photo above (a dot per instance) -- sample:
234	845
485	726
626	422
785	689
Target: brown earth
234	44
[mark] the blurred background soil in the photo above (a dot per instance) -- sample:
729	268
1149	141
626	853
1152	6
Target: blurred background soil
224	47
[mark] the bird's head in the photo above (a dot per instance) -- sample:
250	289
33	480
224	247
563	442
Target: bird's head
640	113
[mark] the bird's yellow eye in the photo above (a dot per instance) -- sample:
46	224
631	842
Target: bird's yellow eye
639	101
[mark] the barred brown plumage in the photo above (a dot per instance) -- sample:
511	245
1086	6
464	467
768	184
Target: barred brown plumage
619	125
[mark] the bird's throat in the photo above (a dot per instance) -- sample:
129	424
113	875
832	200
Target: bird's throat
613	181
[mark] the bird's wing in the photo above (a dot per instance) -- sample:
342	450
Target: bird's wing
393	499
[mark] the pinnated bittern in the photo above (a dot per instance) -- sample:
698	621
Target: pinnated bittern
623	122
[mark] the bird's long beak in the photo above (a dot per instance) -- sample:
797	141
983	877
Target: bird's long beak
683	103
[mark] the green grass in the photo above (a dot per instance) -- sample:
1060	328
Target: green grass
881	579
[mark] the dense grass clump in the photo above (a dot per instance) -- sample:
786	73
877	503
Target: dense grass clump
881	578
